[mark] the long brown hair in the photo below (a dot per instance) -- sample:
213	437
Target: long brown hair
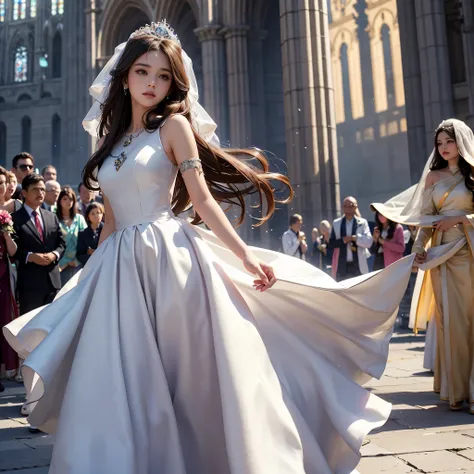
228	173
69	192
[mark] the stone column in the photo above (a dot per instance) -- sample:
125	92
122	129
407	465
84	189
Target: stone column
434	61
309	110
468	40
40	47
215	80
75	97
236	37
413	89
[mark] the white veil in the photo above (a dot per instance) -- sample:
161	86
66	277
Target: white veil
99	90
405	207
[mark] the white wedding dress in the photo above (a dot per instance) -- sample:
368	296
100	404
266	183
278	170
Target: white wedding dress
160	357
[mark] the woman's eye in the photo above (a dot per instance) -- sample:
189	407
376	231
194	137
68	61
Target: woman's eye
141	71
164	77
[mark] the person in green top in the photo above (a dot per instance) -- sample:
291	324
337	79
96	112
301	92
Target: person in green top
71	223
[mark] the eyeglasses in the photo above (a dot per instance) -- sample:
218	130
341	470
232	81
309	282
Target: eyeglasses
350	205
25	167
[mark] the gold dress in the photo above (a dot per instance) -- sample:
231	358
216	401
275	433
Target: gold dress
447	292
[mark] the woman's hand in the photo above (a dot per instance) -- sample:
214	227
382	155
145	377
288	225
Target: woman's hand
376	234
266	277
446	224
420	258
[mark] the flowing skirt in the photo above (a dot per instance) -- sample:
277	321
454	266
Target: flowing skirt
160	357
453	288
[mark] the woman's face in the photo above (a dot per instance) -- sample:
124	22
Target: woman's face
447	146
95	216
149	79
382	219
3	185
66	203
11	186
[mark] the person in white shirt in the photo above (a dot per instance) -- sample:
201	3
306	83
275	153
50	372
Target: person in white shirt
350	239
294	240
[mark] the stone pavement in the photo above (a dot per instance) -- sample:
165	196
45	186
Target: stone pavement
422	435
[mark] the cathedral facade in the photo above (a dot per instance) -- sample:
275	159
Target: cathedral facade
258	65
341	93
369	99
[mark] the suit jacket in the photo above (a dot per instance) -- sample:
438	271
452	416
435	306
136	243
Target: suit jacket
85	241
363	242
28	240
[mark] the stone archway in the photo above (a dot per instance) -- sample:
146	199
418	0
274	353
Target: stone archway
184	26
120	20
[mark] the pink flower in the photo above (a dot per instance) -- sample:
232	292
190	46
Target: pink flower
5	219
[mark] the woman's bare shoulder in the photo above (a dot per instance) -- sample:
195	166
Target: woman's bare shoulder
434	176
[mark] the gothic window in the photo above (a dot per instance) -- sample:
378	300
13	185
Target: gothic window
21	64
32	8
26	134
388	65
2	11
57	55
19	9
56	139
346	85
3	143
57	7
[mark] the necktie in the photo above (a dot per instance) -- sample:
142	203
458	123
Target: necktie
38	224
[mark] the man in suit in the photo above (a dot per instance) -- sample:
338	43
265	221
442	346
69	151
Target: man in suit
350	239
40	247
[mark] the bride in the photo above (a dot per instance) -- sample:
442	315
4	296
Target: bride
161	357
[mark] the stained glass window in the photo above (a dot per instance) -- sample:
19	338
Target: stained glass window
57	7
2	11
19	9
21	64
33	8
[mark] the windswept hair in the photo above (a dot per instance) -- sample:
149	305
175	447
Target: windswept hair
229	174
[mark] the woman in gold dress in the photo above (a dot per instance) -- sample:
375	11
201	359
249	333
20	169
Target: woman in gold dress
442	205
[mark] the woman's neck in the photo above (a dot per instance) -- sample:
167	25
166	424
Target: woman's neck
138	113
385	225
95	226
453	164
3	200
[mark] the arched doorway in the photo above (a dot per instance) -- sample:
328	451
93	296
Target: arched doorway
185	27
119	23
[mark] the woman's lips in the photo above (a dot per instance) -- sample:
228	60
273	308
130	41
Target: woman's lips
149	94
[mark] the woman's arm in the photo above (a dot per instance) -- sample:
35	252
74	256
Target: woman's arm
109	225
11	244
179	139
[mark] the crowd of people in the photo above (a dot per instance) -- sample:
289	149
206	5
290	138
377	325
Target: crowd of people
351	245
53	235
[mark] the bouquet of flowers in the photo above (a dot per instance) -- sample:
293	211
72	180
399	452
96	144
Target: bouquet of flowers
6	223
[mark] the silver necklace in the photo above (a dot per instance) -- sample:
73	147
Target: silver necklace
120	159
131	136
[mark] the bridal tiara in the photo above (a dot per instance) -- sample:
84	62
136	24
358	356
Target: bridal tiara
161	30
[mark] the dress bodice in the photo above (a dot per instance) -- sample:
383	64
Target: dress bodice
458	201
141	190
